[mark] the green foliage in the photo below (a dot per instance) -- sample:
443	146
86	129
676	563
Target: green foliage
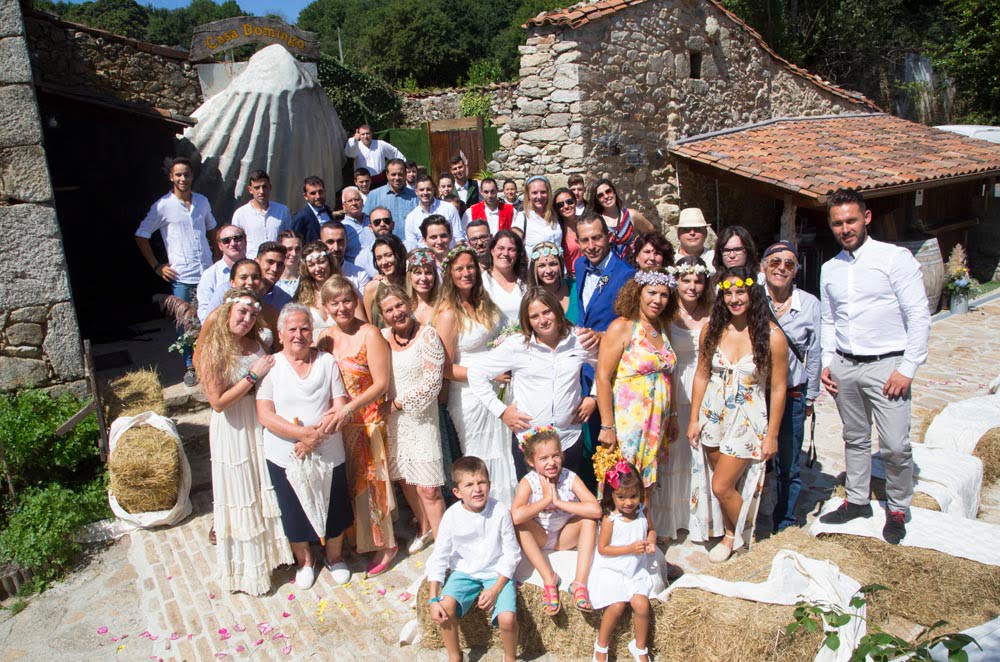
475	103
358	97
39	534
969	50
876	645
483	72
174	27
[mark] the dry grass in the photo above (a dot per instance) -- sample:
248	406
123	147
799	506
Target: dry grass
145	470
133	393
918	431
988	450
925	586
920	500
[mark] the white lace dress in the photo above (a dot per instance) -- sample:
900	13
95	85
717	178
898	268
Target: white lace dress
480	433
671	498
414	436
251	540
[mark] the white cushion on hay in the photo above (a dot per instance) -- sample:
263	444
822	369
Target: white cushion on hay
564	563
964	538
960	425
793	577
954	480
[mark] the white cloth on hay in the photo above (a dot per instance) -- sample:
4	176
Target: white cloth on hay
929	529
986	635
564	564
960	425
182	508
793	577
955	481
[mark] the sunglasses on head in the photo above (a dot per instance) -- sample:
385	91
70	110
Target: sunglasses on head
225	241
776	262
381	221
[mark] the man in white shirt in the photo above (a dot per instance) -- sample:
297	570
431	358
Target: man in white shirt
334	235
184	219
466	189
260	218
363	182
874	334
498	214
232	243
370	154
692	231
427	205
359	233
576	186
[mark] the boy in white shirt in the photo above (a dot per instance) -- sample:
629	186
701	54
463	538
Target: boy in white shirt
477	542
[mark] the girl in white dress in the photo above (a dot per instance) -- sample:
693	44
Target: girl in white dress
250	540
538	222
503	280
467	321
621	576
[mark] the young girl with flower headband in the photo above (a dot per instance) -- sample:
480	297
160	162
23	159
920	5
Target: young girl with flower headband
547	269
554	510
621	576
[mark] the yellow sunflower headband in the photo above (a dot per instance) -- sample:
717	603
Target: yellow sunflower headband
739	282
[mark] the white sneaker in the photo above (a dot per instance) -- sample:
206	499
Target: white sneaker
305	577
340	572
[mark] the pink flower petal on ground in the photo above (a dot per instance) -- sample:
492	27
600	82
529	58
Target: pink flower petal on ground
211	596
291	596
169	577
241	648
285	614
223	631
404	596
144	634
222	655
381	591
154	637
190	637
279	636
239	628
174	636
287	650
258	642
225	636
102	630
264	627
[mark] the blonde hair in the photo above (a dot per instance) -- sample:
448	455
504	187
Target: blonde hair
411	267
548	216
387	290
335	286
484	310
220	348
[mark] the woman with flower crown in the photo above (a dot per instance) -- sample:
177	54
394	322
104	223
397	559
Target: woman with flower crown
635	373
250	541
732	435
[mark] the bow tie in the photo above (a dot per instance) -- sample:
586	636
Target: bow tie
592	270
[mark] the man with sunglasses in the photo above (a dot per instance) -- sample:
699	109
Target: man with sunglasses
382	225
692	231
232	243
798	315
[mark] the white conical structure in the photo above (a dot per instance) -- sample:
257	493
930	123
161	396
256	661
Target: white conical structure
273	116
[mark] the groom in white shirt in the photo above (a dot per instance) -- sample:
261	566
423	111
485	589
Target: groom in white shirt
875	328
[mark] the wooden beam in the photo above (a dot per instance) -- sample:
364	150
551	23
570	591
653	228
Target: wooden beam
787	231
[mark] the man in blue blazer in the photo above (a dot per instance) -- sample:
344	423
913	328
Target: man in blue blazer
599	276
314	214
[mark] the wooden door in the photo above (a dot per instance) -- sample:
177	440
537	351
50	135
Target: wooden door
448	138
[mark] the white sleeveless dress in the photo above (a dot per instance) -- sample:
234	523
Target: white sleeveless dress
480	433
509	303
617	578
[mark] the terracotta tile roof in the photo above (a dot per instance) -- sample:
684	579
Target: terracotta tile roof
580	14
814	156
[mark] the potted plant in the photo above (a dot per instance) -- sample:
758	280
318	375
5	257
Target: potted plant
959	284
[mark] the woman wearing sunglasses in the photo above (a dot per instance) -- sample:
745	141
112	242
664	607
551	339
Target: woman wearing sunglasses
625	224
565	203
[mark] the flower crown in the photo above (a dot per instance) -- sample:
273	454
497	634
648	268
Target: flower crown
546	249
655	278
533	433
420	257
454	253
315	254
245	300
685	269
739	282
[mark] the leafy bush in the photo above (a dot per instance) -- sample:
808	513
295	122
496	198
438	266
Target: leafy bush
483	72
358	97
39	534
475	104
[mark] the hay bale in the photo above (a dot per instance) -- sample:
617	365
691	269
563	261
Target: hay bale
988	450
145	469
918	431
133	393
920	500
925	586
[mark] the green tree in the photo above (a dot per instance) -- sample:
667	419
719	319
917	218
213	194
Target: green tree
123	17
968	48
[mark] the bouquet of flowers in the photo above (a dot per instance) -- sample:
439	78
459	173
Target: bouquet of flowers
185	319
511	329
957	273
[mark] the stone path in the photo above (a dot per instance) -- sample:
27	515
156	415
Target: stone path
160	581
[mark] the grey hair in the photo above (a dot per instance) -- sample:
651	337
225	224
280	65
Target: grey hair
349	188
290	309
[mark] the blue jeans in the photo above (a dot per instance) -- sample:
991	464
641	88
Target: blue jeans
185	292
786	464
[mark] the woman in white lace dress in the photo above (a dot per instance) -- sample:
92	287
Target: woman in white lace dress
250	540
414	435
467	321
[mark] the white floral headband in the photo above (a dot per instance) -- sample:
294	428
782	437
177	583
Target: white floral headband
319	254
685	269
244	300
655	278
546	251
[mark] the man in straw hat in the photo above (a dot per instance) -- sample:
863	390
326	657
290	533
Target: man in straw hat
874	335
692	231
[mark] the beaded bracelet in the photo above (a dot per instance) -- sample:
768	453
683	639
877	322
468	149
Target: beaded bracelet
434	600
252	377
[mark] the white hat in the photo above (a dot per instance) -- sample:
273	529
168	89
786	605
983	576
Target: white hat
692	218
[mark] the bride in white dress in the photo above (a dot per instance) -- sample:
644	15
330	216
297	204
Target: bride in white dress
467	321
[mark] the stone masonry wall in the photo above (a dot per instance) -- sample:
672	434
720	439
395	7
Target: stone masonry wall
39	337
95	62
444	104
606	99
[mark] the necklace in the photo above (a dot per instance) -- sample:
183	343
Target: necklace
409	333
686	315
653	332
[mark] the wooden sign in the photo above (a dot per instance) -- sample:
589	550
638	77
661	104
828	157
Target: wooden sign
220	36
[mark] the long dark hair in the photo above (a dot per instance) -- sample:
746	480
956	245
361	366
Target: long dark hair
521	263
728	233
399	252
630	479
758	323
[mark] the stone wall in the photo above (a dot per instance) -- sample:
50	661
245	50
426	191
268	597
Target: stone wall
607	98
39	337
420	107
93	62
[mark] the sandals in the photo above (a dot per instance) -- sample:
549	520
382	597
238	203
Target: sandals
581	596
603	650
550	598
638	652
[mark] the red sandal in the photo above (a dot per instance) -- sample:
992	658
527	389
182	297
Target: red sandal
550	598
581	596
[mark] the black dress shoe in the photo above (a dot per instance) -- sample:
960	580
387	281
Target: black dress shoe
895	527
846	512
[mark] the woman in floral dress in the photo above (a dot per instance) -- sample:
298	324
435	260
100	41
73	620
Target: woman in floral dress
739	353
634	373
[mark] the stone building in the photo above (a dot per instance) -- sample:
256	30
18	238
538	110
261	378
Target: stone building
605	87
